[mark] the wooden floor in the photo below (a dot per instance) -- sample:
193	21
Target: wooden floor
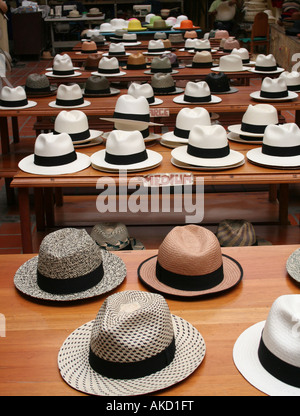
250	203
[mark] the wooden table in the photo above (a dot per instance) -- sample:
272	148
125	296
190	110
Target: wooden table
36	330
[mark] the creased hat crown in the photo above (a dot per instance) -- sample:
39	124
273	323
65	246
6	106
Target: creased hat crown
260	114
62	63
127	104
231	62
188	117
242	52
12	94
68	92
116	47
197	89
108	63
70	122
203	56
265	60
282	135
49	144
273	85
138	90
155	44
121	142
202	44
291	78
208	137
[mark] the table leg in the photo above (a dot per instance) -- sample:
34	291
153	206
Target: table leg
49	207
15	128
297	117
39	209
283	203
24	212
4	135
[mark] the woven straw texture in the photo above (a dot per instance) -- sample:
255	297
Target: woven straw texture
127	328
236	233
293	265
110	235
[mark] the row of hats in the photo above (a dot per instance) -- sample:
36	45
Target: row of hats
113	359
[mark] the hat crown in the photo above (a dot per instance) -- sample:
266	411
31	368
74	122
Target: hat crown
62	62
109	233
49	144
68	253
160	80
188	117
96	82
155	44
231	233
190	250
202	44
260	114
89	45
108	63
136	59
116	47
197	89
221	34
134	24
68	92
160	35
132	326
273	85
231	44
138	90
291	78
121	142
242	52
129	36
282	135
208	137
190	43
91	32
161	62
12	93
203	56
37	81
265	60
232	62
73	121
127	104
280	333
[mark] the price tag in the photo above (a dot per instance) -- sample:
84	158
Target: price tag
159	112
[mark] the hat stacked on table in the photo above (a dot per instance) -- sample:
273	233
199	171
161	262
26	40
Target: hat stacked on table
37	85
266	64
69	96
62	66
274	89
99	86
109	67
196	93
114	237
14	98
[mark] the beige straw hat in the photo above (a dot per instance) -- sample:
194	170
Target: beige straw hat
189	264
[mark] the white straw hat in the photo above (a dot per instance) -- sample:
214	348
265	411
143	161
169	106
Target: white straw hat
266	64
106	27
54	154
280	147
185	120
267	353
155	46
125	150
292	80
62	67
202	45
109	67
273	90
230	63
255	120
69	266
75	123
14	98
202	59
120	352
243	53
208	147
116	49
196	93
69	96
189	44
293	265
144	90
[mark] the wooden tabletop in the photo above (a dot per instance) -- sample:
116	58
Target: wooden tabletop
35	330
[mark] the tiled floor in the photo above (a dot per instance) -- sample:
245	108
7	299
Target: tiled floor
82	209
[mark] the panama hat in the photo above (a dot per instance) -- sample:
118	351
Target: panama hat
186	25
221	34
130	110
280	147
208	147
254	122
219	83
69	96
129	39
292	80
123	358
116	49
144	90
148	17
225	12
230	44
92	61
189	45
108	67
90	32
185	120
62	67
176	38
136	61
155	47
37	85
88	46
98	39
244	54
266	64
202	45
230	63
201	60
125	150
161	64
160	35
157	23
238	233
99	86
267	353
293	265
75	123
273	90
195	93
190	263
74	13
14	98
143	128
190	34
118	23
54	154
164	84
134	25
94	12
114	236
106	28
69	266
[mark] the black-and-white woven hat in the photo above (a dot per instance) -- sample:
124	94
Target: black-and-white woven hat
134	346
114	236
69	266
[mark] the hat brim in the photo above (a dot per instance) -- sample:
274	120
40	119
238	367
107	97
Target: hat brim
93	135
236	128
218	69
25	280
278	71
149	72
91	142
74	367
155	53
177	91
50	74
150	138
170	144
180	154
180	100
54	105
140	29
256	96
170	136
28	105
246	360
237	138
256	156
100	74
33	94
182	165
27	165
99	163
293	265
231	90
129	122
233	274
113	91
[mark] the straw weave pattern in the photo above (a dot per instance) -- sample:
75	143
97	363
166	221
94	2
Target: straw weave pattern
131	326
114	234
236	233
